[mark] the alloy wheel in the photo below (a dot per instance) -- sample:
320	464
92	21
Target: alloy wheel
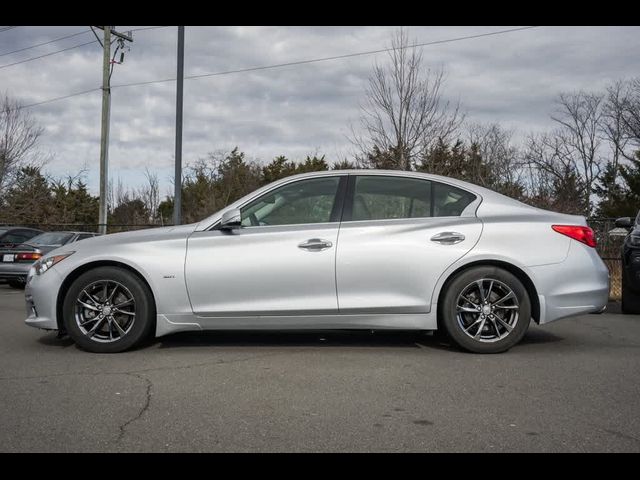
105	311
487	310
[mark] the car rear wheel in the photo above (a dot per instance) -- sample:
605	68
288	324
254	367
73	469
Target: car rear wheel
485	310
108	310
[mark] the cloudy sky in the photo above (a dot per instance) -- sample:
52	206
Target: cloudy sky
510	78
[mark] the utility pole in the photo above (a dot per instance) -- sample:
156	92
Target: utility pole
177	196
104	131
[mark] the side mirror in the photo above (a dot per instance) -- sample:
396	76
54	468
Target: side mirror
230	219
624	222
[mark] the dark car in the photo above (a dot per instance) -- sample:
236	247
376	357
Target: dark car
11	236
630	264
17	258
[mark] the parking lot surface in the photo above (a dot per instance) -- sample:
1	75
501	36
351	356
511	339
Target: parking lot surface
570	386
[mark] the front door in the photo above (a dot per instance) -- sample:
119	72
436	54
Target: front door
280	262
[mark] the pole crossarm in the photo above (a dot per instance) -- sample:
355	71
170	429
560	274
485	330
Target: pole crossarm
115	33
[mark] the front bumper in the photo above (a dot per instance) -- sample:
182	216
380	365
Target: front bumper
41	295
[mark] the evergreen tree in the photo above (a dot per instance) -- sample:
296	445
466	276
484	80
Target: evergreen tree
28	199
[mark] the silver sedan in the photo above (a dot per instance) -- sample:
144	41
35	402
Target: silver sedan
356	249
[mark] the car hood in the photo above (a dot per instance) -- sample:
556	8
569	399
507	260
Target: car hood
106	243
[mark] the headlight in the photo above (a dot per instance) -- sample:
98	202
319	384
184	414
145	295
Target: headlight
634	240
41	266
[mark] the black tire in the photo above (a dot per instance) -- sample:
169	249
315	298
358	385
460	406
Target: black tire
630	300
19	284
144	308
448	312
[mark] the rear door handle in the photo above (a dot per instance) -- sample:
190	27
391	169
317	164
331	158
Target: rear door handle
315	244
448	238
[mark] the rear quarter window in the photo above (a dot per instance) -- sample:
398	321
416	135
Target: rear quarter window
450	201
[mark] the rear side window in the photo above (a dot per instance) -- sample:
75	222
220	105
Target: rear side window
381	198
29	233
15	238
378	197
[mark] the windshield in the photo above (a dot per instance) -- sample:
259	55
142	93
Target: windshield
51	238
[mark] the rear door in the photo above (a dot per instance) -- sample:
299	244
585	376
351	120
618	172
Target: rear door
398	235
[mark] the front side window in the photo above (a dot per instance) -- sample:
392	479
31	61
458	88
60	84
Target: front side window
306	201
380	198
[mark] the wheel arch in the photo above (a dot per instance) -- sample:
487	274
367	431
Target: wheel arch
74	274
511	268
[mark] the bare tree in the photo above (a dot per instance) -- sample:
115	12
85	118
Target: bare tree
579	116
150	194
632	111
498	151
19	135
623	114
404	113
613	122
552	179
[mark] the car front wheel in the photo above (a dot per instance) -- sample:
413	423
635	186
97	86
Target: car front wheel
485	309
108	310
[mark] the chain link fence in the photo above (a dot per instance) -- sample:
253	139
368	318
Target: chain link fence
609	247
609	242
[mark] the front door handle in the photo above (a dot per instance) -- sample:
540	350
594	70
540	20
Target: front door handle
315	244
448	238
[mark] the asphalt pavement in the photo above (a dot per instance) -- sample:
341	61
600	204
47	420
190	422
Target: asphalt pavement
571	386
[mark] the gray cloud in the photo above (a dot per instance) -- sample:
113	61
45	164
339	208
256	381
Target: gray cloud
296	110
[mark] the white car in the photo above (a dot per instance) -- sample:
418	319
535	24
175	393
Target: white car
354	249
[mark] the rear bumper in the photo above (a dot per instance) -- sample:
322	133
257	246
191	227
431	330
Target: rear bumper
14	271
577	286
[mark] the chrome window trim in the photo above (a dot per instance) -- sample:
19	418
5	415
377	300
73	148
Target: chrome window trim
212	221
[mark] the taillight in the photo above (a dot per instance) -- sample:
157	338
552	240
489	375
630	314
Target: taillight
579	233
28	256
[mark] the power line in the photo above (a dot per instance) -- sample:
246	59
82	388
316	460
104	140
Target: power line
280	65
45	43
47	54
59	98
323	59
64	49
148	28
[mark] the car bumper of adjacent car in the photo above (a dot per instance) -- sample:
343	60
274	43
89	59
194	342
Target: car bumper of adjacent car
631	269
577	286
14	271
